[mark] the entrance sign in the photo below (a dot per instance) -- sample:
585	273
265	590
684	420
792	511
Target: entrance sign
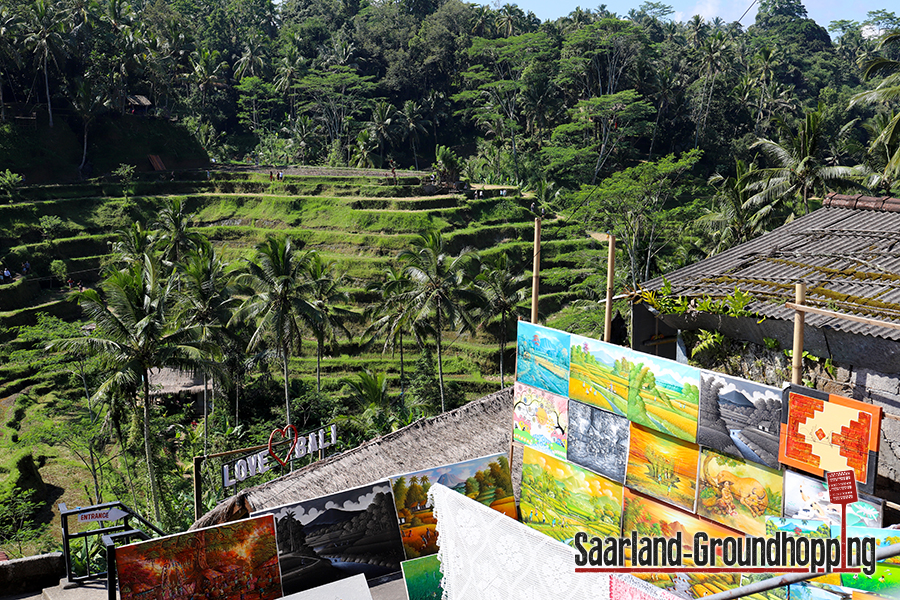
109	514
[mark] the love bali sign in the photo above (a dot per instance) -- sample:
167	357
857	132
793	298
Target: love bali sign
300	445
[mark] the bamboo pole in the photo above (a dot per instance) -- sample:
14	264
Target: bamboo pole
535	277
799	321
610	284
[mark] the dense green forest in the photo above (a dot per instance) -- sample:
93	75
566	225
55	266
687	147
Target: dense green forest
682	138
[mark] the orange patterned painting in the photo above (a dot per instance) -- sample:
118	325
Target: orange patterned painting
823	432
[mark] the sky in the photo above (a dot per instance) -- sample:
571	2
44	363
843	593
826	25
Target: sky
821	11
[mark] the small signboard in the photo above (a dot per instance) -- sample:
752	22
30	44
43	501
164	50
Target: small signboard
842	487
107	514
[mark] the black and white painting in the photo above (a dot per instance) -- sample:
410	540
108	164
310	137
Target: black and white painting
598	440
337	536
739	418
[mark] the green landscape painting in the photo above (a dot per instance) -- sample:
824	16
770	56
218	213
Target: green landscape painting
423	577
560	499
653	392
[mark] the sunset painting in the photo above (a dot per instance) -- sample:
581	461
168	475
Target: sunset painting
560	499
232	561
663	467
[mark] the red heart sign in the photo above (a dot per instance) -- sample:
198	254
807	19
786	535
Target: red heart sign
283	433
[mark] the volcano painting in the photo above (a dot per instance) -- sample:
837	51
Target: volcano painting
739	418
337	536
232	561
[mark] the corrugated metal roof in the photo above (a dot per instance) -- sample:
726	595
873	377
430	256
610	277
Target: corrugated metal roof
847	253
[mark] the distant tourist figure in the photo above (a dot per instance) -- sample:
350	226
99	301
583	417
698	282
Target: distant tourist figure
6	273
26	266
208	176
271	177
70	283
80	287
532	208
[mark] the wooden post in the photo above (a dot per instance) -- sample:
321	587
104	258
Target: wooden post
610	283
799	321
537	270
198	487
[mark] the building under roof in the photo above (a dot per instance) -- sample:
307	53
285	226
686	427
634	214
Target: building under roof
847	253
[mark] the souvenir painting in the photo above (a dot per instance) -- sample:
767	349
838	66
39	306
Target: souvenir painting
223	562
597	376
807	498
423	577
486	479
737	493
540	419
335	536
663	467
823	432
560	499
542	358
818	591
598	440
739	418
663	395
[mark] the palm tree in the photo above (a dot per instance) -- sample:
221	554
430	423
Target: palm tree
414	123
713	60
175	239
136	333
381	126
325	291
89	101
288	72
206	72
279	305
9	35
731	221
502	285
363	149
887	90
390	316
44	36
883	153
798	168
440	288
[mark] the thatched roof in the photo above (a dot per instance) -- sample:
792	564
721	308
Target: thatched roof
476	429
172	381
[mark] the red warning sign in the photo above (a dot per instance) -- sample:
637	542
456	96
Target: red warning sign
842	487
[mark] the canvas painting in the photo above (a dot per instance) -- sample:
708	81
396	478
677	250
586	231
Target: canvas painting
332	537
598	440
351	588
779	593
819	591
803	528
693	585
540	419
739	418
486	479
737	493
823	432
423	577
883	537
559	498
542	358
233	561
597	376
663	467
807	498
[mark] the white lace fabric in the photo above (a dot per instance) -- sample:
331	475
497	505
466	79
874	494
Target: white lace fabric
486	555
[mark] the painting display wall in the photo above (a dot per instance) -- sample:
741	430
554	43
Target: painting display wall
739	418
233	561
540	419
823	432
560	499
486	479
663	467
807	498
598	440
886	579
542	358
332	537
737	493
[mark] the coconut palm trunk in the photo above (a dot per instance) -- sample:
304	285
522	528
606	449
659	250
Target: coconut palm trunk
147	452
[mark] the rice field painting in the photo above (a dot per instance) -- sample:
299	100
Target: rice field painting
885	581
232	561
598	440
737	493
594	377
779	593
540	419
807	498
663	467
883	538
542	358
486	479
559	499
818	591
423	577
